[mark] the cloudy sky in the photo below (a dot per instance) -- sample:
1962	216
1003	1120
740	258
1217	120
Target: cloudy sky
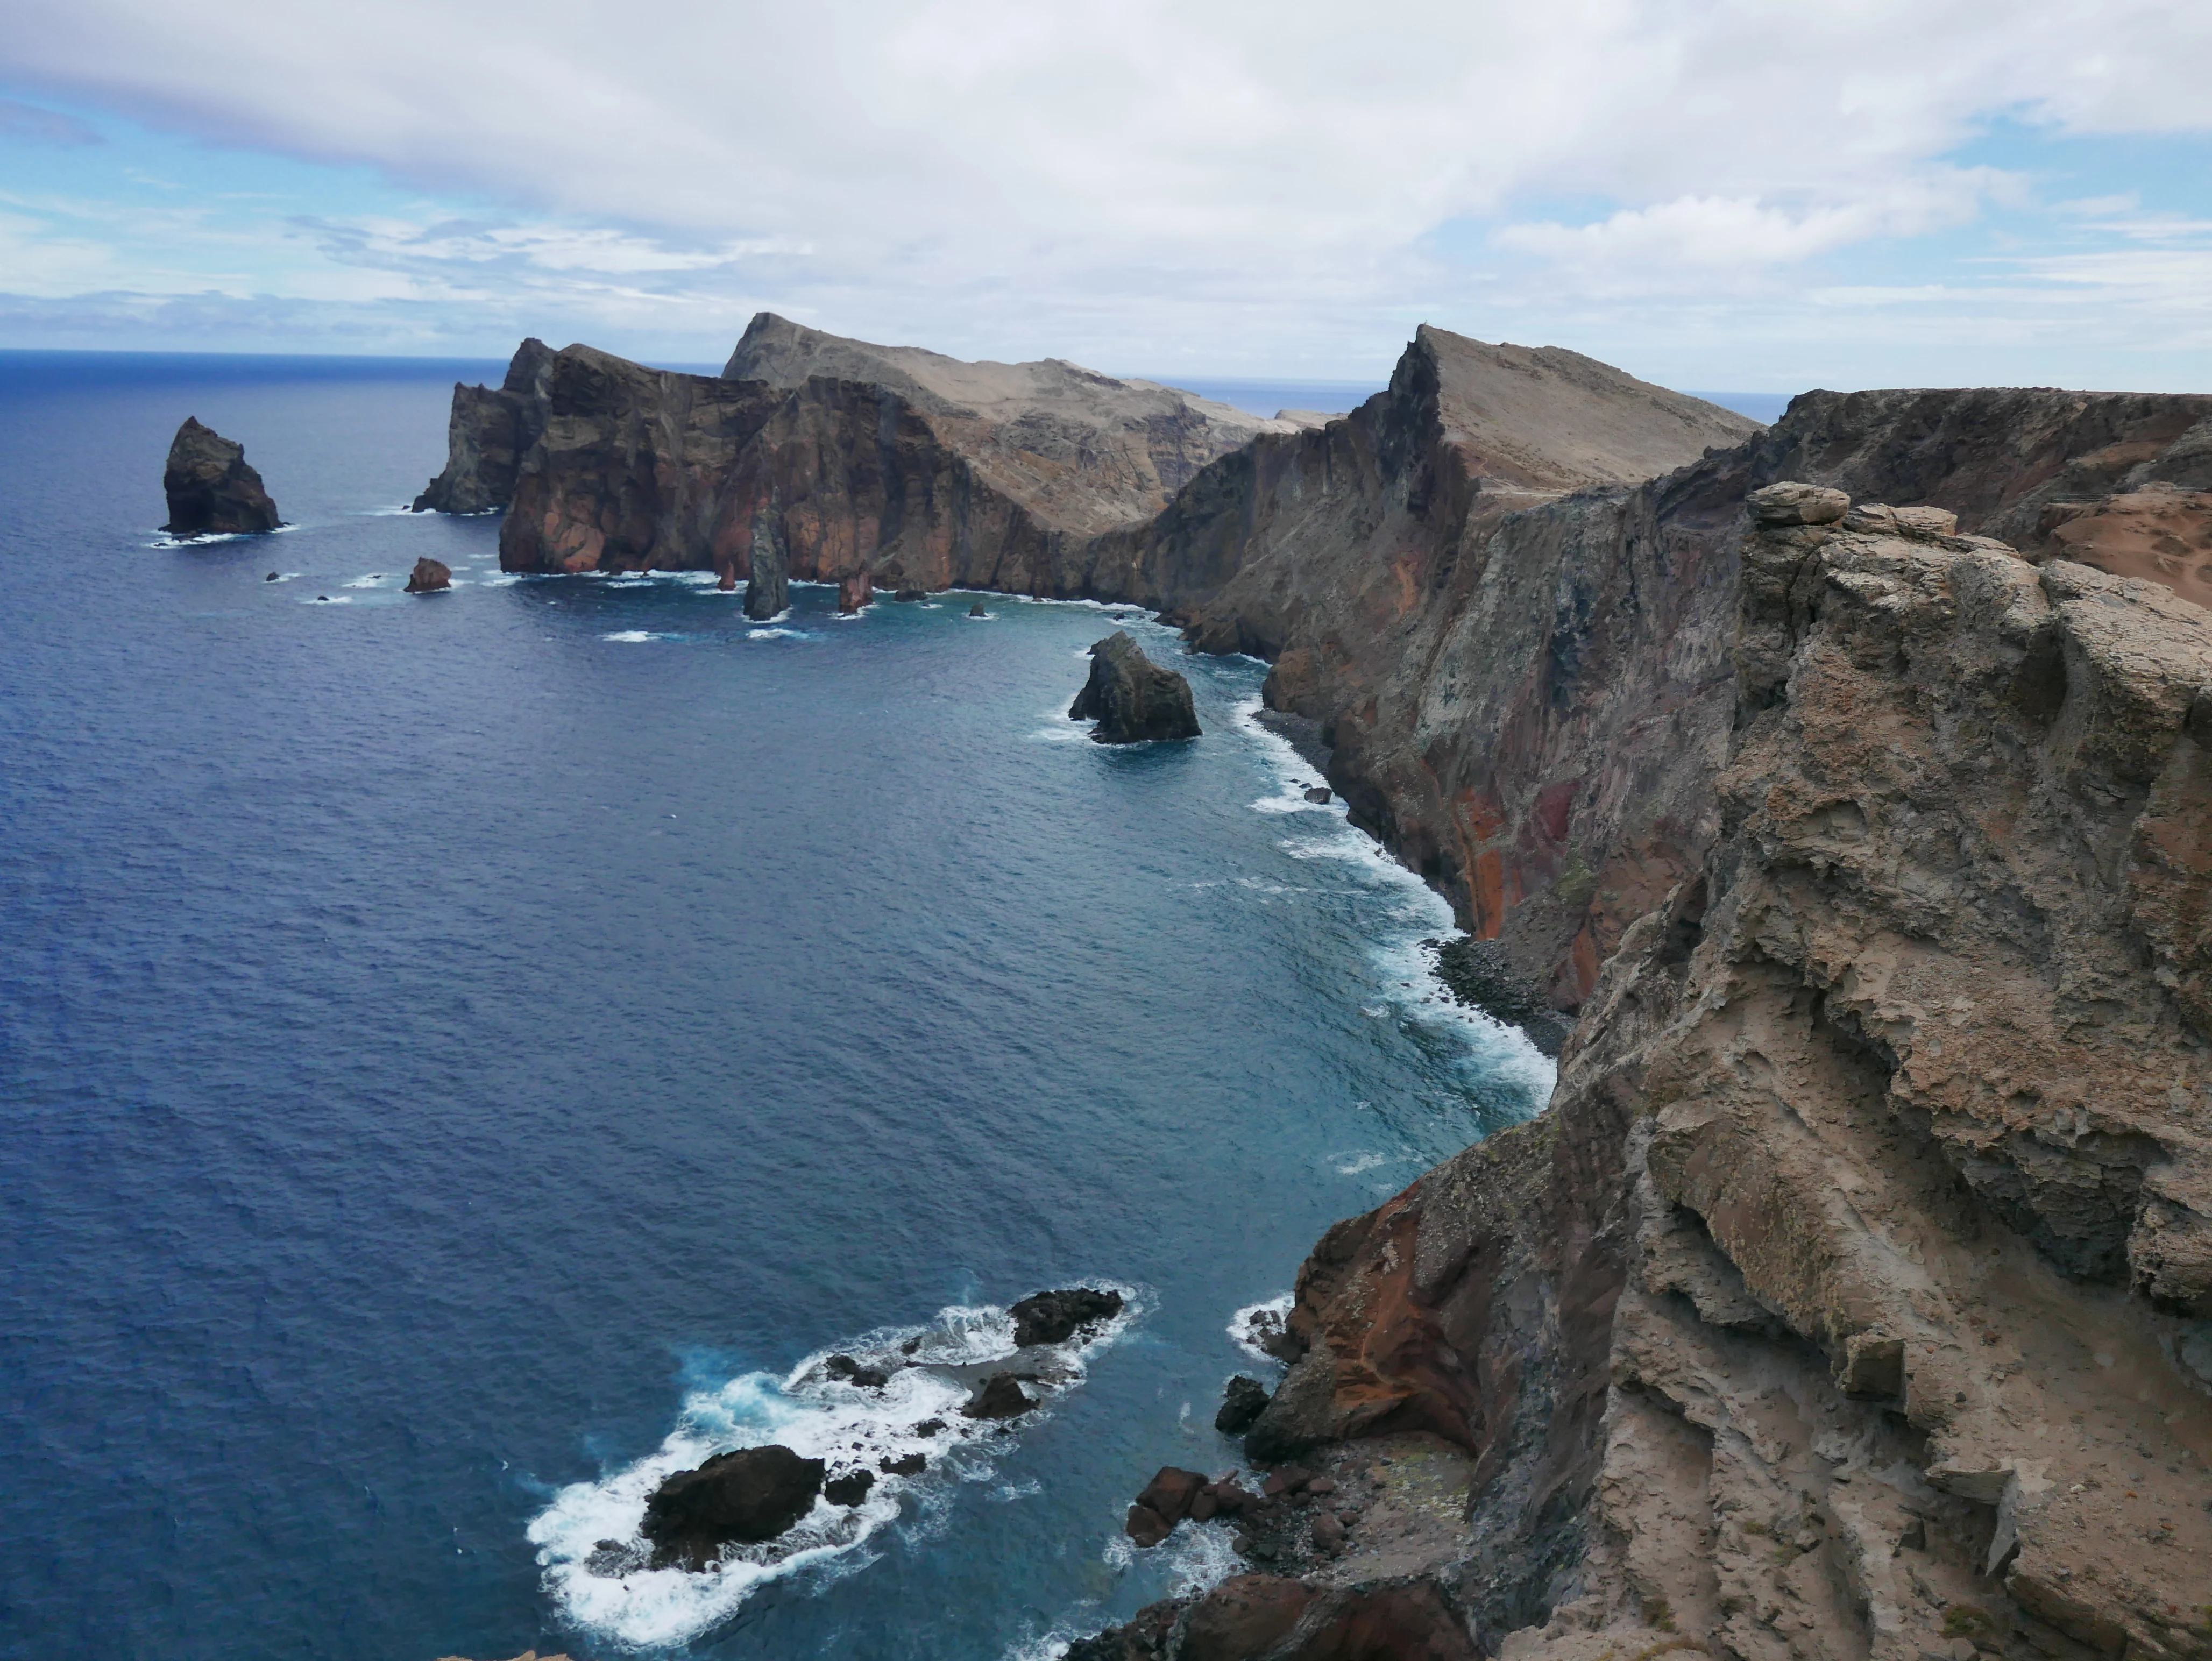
1733	194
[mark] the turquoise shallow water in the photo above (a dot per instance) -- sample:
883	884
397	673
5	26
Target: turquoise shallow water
452	1046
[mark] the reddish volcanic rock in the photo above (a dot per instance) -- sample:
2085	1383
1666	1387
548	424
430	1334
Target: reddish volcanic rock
429	576
853	592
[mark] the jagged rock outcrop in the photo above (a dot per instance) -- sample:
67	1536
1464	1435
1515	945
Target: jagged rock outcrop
739	1498
489	432
1056	1316
1853	1298
768	586
429	576
211	490
1133	700
853	592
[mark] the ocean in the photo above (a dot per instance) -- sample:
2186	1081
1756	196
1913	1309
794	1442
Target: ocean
465	1056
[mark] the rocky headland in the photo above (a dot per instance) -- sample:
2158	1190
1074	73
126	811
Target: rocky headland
211	489
1842	786
490	431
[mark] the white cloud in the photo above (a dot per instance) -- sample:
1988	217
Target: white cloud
1132	181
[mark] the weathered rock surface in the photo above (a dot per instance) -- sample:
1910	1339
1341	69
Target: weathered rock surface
999	1397
1055	1317
429	576
1850	1299
855	593
490	430
767	585
743	1497
211	490
1242	1402
1132	699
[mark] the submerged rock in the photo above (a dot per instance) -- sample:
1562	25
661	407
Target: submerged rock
1055	1317
429	576
1241	1405
855	592
741	1498
768	589
1131	697
211	490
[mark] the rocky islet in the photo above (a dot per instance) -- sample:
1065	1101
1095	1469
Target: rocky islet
211	490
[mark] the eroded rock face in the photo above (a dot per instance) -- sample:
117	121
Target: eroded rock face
1850	1300
740	1498
490	430
1133	700
211	490
768	586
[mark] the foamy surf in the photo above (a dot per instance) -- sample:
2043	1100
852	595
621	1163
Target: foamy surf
638	636
1252	1327
1411	988
590	1541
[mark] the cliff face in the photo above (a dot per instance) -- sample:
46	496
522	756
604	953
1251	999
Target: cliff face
488	433
1854	1297
918	470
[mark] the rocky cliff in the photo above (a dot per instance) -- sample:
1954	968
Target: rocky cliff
490	430
1854	1297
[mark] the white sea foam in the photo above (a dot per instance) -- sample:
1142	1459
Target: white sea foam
372	580
778	633
817	1416
329	599
637	636
1358	1164
1410	987
1255	1320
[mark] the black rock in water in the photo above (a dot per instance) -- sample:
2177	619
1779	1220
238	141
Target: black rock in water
1055	1317
1240	1405
999	1397
910	591
1131	697
734	1499
767	589
211	490
976	610
1320	794
845	1368
849	1489
907	1465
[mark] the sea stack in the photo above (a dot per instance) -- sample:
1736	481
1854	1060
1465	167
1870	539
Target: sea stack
211	490
1131	697
429	576
855	592
768	589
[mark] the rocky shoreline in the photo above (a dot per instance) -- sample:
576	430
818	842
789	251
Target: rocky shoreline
1834	793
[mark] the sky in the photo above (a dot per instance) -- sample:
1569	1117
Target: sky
1728	194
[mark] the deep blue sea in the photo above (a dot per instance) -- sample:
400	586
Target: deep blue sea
460	1056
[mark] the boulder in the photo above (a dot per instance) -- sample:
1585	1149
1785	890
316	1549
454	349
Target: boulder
741	1498
976	610
850	1489
855	592
429	576
211	490
849	1371
1245	1617
1131	698
999	1397
1794	503
1170	1493
907	1465
768	589
1055	1317
1241	1404
1146	1526
1321	795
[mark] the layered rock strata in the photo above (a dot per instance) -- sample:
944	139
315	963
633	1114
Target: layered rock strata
489	432
1854	1297
211	489
1131	698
